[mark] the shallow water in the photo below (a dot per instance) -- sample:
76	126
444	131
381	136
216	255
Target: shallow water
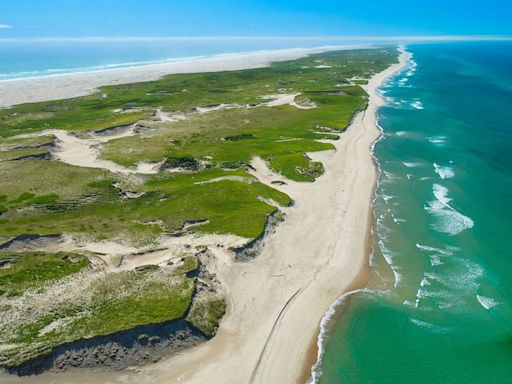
439	305
29	58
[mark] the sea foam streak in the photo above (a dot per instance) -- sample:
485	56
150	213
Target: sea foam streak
447	219
430	327
437	140
444	172
410	164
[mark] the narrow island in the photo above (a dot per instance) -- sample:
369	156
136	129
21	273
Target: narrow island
195	226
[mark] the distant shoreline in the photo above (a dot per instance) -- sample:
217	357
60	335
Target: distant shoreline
81	83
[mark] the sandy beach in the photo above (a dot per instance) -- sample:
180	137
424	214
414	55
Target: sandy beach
54	87
277	300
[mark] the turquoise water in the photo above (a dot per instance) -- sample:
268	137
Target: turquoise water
438	307
28	58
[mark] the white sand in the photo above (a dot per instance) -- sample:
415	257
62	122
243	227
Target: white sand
84	152
277	300
284	99
79	84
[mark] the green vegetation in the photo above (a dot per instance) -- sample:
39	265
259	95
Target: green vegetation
205	314
22	153
204	176
85	304
20	272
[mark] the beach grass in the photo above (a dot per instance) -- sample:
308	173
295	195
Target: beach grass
204	177
108	303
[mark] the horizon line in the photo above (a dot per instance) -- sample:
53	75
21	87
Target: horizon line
391	38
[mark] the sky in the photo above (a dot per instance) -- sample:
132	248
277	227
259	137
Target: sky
118	18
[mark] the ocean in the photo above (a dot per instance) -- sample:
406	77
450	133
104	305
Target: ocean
34	58
438	306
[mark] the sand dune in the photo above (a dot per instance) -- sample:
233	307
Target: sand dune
277	300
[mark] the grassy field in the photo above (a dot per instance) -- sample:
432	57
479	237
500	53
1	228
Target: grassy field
65	300
204	176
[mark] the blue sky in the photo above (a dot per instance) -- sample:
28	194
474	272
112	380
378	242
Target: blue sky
79	18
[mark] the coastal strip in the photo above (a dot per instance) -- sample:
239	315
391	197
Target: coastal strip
276	301
64	86
312	371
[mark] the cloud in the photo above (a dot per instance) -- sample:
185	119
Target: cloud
5	26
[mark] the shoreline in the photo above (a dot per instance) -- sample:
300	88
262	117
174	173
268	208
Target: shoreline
315	360
277	300
82	83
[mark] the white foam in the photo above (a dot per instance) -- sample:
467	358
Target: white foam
417	104
441	194
316	371
401	133
388	256
447	219
487	302
390	176
444	172
411	164
437	140
402	81
446	252
429	327
435	261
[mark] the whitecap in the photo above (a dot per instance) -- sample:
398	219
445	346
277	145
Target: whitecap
388	256
487	302
411	164
437	140
417	104
435	261
444	172
447	219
